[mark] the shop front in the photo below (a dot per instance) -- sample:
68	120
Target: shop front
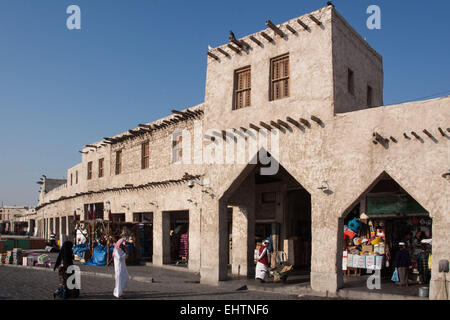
385	217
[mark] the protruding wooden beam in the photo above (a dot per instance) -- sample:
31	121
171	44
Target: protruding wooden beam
91	146
243	129
315	20
415	135
291	29
428	134
294	122
251	125
275	28
276	125
305	122
406	136
226	54
212	55
146	126
108	142
393	139
284	124
181	113
134	133
265	125
259	43
300	22
442	132
267	37
237	43
317	120
234	48
245	44
448	129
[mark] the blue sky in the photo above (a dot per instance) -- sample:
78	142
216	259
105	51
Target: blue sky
61	89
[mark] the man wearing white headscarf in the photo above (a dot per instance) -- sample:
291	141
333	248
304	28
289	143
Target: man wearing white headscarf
121	274
262	265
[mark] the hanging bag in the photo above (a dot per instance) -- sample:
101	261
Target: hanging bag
395	276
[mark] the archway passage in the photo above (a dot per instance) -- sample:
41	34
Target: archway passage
275	207
374	228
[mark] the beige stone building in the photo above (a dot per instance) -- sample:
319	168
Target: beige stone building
311	87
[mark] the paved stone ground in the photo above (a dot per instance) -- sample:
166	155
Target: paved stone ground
29	284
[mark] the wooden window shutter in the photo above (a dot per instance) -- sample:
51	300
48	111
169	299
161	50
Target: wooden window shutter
279	78
243	86
145	155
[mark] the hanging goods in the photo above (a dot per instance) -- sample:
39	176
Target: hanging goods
354	225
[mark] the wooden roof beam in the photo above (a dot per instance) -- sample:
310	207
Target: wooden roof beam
275	28
212	55
266	36
181	113
226	54
292	30
265	125
315	20
259	43
284	124
276	125
300	22
305	122
234	48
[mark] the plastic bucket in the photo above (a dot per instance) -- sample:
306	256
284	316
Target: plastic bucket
423	292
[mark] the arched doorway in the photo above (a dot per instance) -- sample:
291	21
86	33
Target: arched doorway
371	232
269	206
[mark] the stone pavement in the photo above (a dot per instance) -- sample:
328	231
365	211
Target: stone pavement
177	282
21	283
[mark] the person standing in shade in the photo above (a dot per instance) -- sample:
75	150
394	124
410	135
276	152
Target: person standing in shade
121	274
422	264
262	265
402	264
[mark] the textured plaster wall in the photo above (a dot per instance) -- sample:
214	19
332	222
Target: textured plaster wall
341	152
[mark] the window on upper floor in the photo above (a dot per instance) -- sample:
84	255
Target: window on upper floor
369	96
242	88
177	146
145	155
350	82
89	170
119	162
71	179
76	177
101	167
279	77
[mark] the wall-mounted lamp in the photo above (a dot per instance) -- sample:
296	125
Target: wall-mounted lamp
325	188
200	182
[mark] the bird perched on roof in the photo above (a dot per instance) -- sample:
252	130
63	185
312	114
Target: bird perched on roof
232	37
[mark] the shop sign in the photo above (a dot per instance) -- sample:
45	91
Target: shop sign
393	205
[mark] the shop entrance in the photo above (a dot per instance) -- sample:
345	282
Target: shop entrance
179	237
382	218
275	207
145	220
